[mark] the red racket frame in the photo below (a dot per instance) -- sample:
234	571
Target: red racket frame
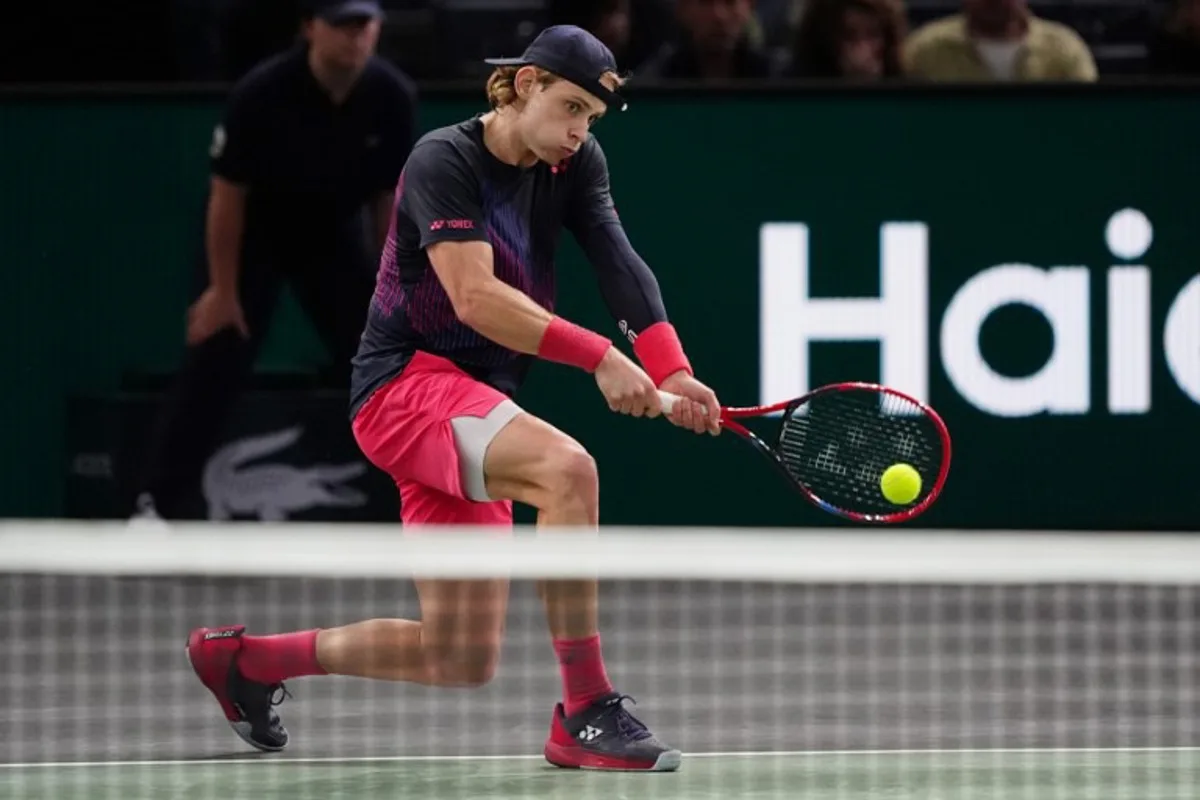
729	415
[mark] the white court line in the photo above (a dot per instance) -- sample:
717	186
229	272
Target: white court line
209	762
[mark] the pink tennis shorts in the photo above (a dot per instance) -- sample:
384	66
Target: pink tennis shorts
429	429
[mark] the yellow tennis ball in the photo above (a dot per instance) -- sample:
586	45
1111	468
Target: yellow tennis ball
900	484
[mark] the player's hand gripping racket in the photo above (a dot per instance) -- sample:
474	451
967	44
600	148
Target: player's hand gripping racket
836	443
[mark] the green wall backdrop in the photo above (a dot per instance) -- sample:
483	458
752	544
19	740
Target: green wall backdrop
101	212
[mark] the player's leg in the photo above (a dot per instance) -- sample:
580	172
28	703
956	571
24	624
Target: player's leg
457	640
455	643
440	475
408	428
203	393
532	462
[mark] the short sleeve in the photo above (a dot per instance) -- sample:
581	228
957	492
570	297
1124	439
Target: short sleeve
441	195
235	149
591	203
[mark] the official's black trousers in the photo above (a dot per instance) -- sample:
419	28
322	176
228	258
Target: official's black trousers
332	283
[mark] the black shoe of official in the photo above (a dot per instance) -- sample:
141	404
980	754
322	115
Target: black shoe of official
605	736
248	706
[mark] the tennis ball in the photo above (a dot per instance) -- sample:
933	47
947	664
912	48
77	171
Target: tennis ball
900	484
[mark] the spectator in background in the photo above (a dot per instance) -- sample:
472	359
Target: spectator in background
998	40
714	43
852	39
633	29
1174	47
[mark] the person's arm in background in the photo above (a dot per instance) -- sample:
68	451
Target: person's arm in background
232	154
224	226
399	140
631	292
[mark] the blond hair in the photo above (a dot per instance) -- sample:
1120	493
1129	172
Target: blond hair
502	89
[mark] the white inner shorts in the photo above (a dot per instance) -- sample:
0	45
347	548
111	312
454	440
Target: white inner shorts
473	436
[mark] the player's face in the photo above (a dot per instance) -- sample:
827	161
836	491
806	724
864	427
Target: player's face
557	119
346	45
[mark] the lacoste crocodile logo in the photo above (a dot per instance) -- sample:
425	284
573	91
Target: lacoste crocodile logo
274	491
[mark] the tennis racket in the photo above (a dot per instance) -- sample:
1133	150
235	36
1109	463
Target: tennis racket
834	444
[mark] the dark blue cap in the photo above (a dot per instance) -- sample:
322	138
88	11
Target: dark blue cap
341	10
574	54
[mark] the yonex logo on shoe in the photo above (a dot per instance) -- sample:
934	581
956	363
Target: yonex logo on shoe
589	733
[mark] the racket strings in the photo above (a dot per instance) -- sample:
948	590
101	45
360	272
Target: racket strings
839	444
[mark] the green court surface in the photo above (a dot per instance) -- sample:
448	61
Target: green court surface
1144	774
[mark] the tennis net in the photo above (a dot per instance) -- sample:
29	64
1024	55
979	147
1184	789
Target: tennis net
815	664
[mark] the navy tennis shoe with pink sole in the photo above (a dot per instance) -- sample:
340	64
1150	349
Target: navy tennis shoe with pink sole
605	736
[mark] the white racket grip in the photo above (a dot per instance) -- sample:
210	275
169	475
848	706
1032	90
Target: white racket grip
668	401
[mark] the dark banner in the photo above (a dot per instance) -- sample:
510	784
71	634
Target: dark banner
1024	260
286	456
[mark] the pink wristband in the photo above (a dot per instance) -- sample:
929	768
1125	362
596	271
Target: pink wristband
567	343
661	354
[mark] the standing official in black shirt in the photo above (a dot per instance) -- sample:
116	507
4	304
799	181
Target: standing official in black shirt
310	140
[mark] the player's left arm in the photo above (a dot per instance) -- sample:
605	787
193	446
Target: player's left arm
631	291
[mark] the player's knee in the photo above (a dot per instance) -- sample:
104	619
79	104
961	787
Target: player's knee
571	476
465	667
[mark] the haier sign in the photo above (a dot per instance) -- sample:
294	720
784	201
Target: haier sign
901	320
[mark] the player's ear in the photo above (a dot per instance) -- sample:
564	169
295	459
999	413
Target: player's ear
525	82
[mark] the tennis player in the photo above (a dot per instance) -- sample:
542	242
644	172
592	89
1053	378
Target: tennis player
462	305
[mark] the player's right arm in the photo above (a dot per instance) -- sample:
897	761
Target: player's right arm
441	196
482	301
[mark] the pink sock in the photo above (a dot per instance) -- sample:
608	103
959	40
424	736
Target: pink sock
584	678
273	659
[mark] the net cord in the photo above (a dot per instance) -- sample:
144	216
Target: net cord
767	555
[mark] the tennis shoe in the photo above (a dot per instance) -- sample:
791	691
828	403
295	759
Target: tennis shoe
248	706
606	736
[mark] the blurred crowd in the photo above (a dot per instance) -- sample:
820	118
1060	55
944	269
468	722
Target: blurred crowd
676	40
